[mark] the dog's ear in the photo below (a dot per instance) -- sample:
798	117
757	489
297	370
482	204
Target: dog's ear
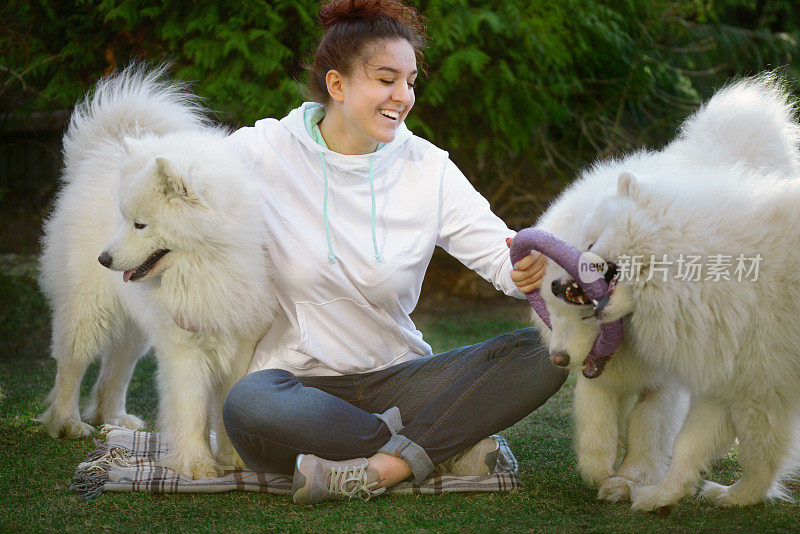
173	185
628	186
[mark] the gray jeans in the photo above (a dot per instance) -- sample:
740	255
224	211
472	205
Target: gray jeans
448	402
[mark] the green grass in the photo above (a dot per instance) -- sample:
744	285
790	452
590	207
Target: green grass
35	470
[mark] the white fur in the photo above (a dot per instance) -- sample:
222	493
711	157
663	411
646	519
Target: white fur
720	187
139	151
630	405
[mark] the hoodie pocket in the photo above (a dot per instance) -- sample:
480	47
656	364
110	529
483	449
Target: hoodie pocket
347	337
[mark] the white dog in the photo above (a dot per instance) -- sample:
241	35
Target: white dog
630	403
156	194
747	130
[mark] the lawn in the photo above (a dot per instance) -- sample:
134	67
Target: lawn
35	470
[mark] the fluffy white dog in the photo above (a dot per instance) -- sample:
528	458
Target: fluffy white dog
728	342
153	191
631	404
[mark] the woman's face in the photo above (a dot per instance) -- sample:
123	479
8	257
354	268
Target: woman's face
375	98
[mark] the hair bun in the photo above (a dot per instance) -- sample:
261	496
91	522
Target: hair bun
339	11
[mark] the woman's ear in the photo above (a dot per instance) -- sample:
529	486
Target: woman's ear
334	82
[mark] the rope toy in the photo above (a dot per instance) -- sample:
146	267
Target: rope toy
568	258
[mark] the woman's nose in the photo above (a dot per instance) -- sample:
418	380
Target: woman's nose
403	94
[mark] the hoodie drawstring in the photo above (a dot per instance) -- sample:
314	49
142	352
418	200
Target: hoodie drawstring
372	192
331	256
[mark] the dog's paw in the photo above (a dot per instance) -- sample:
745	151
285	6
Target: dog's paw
229	459
652	499
197	467
238	462
126	420
205	468
594	473
68	428
615	489
716	494
720	495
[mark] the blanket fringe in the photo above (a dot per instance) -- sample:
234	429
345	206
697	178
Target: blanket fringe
91	475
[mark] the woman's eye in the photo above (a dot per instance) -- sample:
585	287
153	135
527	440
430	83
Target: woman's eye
388	82
139	225
412	85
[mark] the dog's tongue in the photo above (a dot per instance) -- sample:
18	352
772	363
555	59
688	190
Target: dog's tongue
127	275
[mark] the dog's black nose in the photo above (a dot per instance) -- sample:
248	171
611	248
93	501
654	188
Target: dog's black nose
105	259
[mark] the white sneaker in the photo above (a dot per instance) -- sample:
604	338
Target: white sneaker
478	460
317	479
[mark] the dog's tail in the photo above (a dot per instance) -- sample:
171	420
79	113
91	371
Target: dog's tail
751	122
133	102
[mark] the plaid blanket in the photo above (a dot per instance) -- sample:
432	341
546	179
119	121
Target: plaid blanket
125	460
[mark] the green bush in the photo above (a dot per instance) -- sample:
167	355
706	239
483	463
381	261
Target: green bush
523	93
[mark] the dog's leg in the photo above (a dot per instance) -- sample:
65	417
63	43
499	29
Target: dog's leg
652	426
596	431
75	344
107	401
765	429
225	453
185	388
706	432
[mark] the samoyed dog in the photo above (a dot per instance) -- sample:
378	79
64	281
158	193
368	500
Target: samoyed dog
723	188
631	404
151	190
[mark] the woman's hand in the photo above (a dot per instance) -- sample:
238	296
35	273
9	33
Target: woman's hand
528	271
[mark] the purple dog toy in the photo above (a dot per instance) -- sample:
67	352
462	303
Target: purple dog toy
568	257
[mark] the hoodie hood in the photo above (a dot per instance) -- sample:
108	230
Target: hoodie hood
350	168
296	124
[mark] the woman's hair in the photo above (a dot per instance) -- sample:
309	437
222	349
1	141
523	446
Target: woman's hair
350	27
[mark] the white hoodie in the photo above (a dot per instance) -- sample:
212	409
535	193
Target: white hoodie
351	315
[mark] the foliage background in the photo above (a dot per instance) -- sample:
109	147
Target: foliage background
523	93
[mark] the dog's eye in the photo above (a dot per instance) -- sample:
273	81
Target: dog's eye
139	225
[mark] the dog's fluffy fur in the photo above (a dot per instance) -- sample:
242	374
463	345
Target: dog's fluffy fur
726	185
145	172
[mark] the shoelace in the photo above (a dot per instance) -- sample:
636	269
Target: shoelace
350	482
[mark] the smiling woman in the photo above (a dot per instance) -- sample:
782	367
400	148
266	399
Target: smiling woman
356	204
366	83
370	103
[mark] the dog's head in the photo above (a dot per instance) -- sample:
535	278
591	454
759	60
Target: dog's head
574	328
165	206
597	230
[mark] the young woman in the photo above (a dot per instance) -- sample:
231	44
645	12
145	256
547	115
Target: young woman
345	393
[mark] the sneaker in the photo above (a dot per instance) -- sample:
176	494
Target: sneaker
478	460
317	479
